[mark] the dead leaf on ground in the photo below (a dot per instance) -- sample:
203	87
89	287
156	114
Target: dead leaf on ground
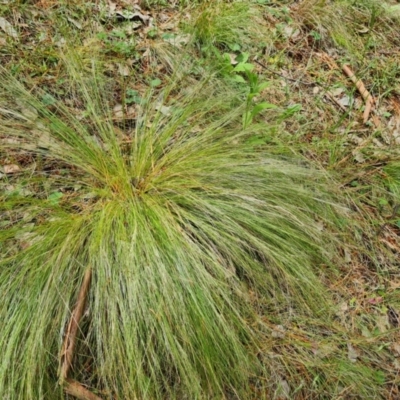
347	256
396	349
278	331
179	41
124	70
352	353
164	110
291	33
346	101
118	111
393	317
11	169
382	323
283	390
74	22
8	28
358	156
30	113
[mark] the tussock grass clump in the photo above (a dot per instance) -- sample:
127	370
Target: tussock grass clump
222	24
392	171
335	21
182	224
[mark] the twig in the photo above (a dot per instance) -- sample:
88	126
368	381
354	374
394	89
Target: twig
327	94
368	99
71	386
282	76
67	354
75	389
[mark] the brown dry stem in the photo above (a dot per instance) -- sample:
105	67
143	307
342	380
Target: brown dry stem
67	354
72	387
368	99
75	389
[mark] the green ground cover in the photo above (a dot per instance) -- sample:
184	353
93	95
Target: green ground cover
192	206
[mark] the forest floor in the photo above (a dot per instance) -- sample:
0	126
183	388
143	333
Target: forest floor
330	78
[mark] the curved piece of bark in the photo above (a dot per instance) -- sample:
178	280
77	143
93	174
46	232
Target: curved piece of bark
67	353
368	99
75	389
71	386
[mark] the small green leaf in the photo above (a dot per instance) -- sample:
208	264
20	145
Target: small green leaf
152	33
256	140
54	198
262	106
119	34
290	111
234	46
383	202
155	82
243	67
168	36
48	100
239	79
380	377
132	96
242	58
102	36
262	86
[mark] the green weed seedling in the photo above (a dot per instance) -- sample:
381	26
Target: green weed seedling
132	97
255	88
117	42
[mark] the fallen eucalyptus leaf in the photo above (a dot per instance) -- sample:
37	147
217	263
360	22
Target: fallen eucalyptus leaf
123	70
8	28
382	323
396	349
283	390
77	24
164	110
345	101
11	169
352	354
359	157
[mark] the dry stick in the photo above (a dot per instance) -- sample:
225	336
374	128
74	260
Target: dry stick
72	387
67	354
282	76
75	389
369	101
327	94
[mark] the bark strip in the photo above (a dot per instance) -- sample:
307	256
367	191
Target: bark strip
68	348
75	389
368	99
71	386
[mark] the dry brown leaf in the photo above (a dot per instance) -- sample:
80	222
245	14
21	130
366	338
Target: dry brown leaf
123	70
396	349
352	353
8	28
11	169
382	323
